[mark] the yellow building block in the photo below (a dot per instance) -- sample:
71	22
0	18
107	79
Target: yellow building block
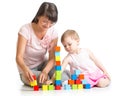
80	86
57	58
44	87
34	83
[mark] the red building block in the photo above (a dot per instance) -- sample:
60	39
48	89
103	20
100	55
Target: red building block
57	87
36	88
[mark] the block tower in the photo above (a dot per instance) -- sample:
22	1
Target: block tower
58	82
34	84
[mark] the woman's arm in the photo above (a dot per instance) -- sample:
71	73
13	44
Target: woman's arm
51	61
19	58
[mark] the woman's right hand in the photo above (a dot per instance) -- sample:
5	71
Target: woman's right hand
28	75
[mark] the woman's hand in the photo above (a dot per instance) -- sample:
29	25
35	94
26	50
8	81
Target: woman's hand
28	75
48	82
43	77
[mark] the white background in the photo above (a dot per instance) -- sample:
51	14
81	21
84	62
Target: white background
97	21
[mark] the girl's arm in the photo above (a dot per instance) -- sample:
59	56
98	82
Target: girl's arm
98	63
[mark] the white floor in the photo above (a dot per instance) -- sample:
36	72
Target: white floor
108	91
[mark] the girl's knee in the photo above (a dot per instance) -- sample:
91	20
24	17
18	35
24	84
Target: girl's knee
103	82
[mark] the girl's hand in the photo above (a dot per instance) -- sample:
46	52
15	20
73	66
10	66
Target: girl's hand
43	77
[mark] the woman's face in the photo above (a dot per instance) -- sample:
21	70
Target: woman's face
44	23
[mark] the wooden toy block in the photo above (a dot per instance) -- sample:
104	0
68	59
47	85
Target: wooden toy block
77	72
87	86
36	88
58	63
57	53
44	87
57	75
84	81
78	81
50	87
57	58
81	76
57	68
32	84
74	86
57	48
73	76
57	87
80	86
58	82
67	87
34	77
70	82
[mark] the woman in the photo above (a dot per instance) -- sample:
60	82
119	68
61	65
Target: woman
34	41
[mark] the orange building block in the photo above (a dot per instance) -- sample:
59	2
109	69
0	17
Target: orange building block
81	76
57	48
58	63
71	82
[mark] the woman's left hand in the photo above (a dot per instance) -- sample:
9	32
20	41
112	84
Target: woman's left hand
43	77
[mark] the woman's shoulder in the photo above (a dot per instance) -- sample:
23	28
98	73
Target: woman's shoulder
26	26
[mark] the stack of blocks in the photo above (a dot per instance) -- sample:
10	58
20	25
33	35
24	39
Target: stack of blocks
34	84
58	82
77	81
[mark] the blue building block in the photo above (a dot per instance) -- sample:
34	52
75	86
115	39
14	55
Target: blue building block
57	53
67	87
77	72
87	86
57	68
58	82
73	76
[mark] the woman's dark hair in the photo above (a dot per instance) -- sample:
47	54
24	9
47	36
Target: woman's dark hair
47	9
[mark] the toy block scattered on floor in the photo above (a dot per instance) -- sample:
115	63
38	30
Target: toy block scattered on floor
78	81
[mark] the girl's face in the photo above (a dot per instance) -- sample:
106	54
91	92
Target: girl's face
70	44
44	23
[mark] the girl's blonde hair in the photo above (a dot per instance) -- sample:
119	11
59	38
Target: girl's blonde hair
71	33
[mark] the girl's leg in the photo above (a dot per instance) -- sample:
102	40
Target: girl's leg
103	82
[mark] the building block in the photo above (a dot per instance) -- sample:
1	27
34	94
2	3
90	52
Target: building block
58	63
77	72
80	86
74	86
67	87
87	86
50	87
57	53
36	88
57	48
70	82
78	81
73	76
57	87
57	68
84	81
57	58
58	82
81	76
44	87
57	75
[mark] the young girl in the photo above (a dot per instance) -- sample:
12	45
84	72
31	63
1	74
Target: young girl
83	59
